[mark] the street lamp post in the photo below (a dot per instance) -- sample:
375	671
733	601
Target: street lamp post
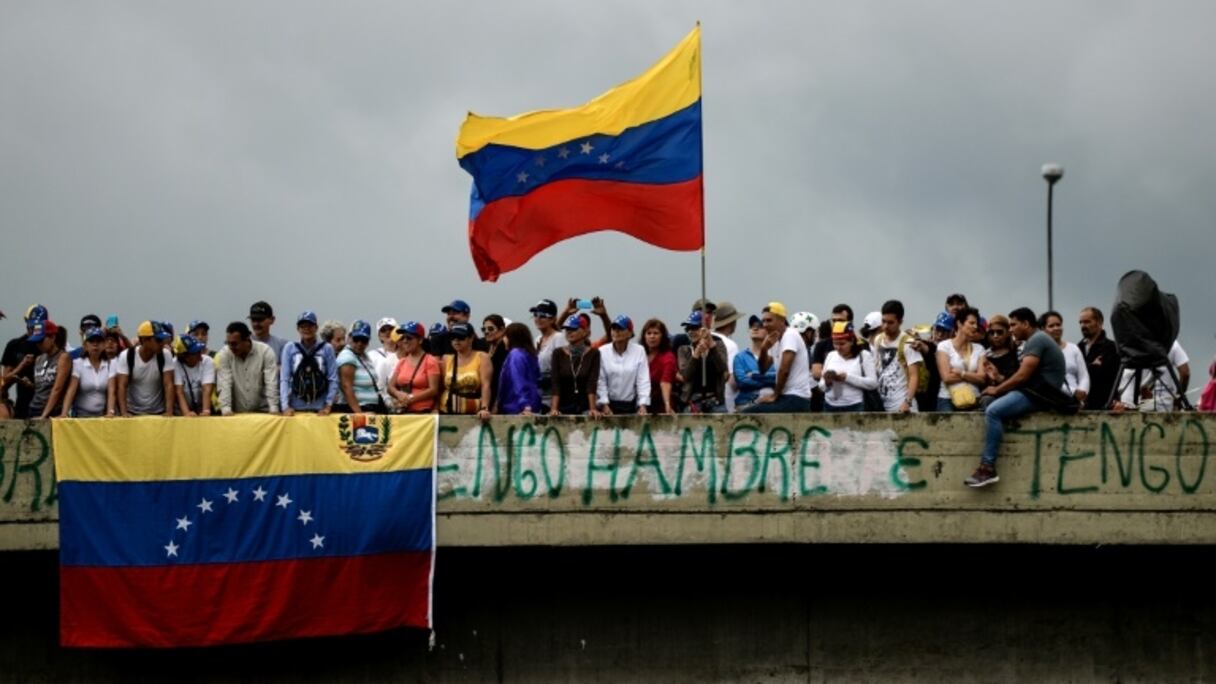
1052	173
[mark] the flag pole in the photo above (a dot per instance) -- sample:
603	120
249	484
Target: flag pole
701	142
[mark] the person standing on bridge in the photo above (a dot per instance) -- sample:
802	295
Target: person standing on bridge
1034	387
624	383
576	369
247	374
144	377
784	348
1101	359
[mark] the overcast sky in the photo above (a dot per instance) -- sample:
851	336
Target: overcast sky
181	160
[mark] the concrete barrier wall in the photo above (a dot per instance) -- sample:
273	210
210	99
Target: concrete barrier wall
1129	479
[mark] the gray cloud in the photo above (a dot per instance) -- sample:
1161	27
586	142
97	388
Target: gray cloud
181	161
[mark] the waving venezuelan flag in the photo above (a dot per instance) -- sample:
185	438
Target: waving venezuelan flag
629	160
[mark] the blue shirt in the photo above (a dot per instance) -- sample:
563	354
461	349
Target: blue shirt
749	379
519	383
290	360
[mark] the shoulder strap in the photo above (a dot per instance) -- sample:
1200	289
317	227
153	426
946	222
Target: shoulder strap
131	361
160	362
370	374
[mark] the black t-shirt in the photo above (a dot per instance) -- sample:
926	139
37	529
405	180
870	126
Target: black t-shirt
926	397
820	352
14	351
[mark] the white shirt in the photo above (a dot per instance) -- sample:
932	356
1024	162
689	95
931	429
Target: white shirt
848	392
544	350
732	350
799	381
1164	387
623	377
892	375
145	388
91	392
970	365
191	380
1076	374
384	363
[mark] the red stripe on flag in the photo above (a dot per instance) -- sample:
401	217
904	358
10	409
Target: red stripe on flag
223	603
510	231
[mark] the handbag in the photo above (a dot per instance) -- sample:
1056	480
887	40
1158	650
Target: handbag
871	400
963	394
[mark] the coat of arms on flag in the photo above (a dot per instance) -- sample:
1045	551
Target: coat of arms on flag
201	532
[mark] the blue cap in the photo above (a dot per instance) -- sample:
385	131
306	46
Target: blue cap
35	314
307	317
753	321
162	331
623	322
576	322
439	329
192	345
361	329
457	306
94	333
196	324
944	321
462	331
40	329
694	320
412	328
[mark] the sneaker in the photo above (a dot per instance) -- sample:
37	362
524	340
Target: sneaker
982	477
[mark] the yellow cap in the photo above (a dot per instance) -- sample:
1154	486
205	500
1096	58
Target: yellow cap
777	309
145	330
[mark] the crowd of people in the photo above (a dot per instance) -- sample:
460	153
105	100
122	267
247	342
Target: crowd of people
1004	366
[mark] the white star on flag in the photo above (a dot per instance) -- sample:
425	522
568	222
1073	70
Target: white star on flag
204	505
522	176
284	501
171	549
305	517
259	494
604	158
587	147
540	161
184	523
317	541
230	495
563	152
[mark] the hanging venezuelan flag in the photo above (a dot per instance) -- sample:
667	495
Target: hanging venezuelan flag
250	528
629	160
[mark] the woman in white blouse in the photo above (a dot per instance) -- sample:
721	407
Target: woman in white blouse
960	362
1076	374
848	371
88	393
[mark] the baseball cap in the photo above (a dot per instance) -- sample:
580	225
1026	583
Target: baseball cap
462	331
35	313
754	321
623	322
576	322
361	329
411	328
260	310
439	329
777	309
872	320
94	333
145	329
191	345
162	331
196	324
694	320
41	330
90	321
944	321
307	317
545	308
458	306
386	321
842	330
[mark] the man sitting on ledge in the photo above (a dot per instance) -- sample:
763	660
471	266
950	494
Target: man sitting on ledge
1034	387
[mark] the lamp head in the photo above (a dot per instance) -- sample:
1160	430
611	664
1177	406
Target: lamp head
1052	173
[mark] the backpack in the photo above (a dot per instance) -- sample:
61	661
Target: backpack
308	381
922	373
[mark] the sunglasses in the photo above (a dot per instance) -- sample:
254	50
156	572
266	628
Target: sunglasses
488	329
997	331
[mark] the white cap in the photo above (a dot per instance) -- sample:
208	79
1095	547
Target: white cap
388	320
873	320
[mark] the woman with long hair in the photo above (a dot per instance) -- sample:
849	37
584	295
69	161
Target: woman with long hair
576	370
519	383
89	391
548	339
494	329
959	362
414	385
845	375
467	376
52	368
662	363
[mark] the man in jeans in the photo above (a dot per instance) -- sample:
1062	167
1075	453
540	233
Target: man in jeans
1041	370
784	348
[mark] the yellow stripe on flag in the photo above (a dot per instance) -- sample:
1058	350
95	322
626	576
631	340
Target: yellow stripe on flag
251	445
667	87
